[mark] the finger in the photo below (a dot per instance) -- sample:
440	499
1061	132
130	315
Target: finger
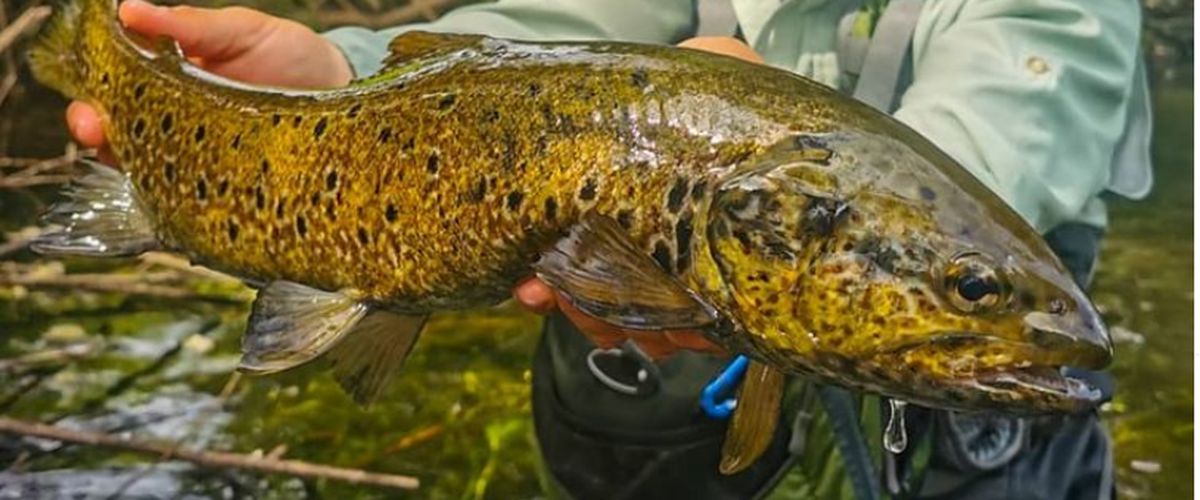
600	333
85	124
533	294
217	34
723	45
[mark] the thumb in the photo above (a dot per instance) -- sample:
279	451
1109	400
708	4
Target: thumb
208	34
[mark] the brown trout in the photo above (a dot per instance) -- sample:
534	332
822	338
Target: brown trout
655	187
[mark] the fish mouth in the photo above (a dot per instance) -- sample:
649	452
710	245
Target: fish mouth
1031	379
1046	386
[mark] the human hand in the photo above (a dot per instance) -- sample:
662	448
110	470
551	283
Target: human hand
235	42
538	297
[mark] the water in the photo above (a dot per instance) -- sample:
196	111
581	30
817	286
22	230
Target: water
458	418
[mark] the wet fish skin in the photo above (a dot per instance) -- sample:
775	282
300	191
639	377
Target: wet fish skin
784	220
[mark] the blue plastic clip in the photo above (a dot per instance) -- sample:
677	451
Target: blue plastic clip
723	386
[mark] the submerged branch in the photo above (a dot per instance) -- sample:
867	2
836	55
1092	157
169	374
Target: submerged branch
40	172
216	459
113	283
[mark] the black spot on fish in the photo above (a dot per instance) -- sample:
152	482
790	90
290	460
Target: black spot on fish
625	218
169	171
331	210
744	239
201	189
491	116
446	102
720	228
353	111
265	167
275	119
237	142
883	256
233	231
301	226
431	163
551	207
260	200
927	194
144	182
139	91
104	79
1026	299
513	201
331	180
822	215
535	89
683	243
662	255
319	128
222	187
296	120
139	128
806	141
279	208
200	132
385	134
391	213
363	237
167	123
409	144
676	195
640	78
314	199
480	191
699	189
588	191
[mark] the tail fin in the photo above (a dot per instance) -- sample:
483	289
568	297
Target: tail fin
54	57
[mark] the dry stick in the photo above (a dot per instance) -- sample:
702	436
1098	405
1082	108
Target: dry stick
216	459
25	22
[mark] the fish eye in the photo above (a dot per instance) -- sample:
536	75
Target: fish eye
972	284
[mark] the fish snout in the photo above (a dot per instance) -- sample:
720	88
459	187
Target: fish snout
1077	337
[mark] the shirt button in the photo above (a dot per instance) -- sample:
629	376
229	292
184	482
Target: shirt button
1037	65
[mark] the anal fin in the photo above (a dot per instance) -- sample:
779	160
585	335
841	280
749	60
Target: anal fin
754	419
374	352
102	217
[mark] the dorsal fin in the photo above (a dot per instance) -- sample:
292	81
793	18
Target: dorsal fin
418	44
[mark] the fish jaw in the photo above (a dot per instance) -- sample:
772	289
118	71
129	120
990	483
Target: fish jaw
967	372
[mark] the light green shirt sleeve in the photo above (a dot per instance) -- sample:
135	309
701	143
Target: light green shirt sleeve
658	21
1030	95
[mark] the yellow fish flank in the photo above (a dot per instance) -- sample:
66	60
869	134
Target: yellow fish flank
657	188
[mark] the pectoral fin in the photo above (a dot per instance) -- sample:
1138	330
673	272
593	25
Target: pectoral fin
292	324
374	352
754	419
101	217
604	275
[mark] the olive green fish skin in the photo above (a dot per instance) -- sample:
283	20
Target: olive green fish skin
833	241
